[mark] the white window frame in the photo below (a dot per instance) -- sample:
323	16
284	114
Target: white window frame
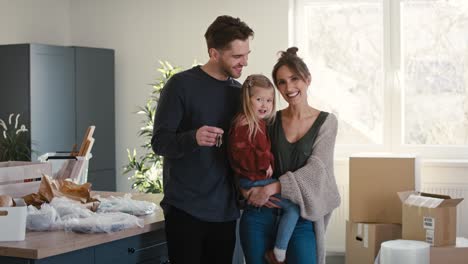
393	134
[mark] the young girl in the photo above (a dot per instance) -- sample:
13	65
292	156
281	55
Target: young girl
249	150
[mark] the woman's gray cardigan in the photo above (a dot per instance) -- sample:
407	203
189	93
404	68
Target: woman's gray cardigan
313	187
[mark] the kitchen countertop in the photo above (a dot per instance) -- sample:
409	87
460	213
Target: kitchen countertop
38	245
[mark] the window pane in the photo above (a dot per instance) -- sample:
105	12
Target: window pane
343	44
435	71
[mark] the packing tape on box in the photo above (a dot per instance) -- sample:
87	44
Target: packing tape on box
404	251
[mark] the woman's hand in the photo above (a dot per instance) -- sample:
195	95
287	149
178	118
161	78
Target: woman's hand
257	196
262	196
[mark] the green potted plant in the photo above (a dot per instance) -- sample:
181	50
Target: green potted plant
147	167
14	140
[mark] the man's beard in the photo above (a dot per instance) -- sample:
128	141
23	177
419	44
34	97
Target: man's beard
229	71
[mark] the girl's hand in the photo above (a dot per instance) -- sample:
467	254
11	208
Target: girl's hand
271	204
269	172
245	193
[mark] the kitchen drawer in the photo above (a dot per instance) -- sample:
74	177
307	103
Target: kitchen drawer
156	254
152	248
145	248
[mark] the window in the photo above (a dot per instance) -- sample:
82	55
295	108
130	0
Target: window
395	72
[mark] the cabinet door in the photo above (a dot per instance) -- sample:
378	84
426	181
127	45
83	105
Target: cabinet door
102	180
14	82
145	248
52	99
94	84
81	256
94	81
116	252
152	248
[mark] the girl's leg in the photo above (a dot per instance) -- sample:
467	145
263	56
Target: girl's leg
302	247
257	233
287	224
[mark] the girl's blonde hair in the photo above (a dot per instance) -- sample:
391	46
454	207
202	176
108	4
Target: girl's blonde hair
247	114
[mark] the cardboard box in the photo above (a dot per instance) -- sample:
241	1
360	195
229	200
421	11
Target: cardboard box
429	217
363	240
19	178
374	180
13	222
451	254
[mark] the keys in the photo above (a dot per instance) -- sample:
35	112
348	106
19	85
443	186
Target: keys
219	140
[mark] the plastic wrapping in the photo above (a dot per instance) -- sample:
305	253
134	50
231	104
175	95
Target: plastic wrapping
42	220
404	252
104	222
127	205
70	215
423	201
68	209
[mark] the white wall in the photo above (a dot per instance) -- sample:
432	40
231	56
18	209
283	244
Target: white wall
29	21
145	31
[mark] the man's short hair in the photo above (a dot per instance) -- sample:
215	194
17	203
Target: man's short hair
226	29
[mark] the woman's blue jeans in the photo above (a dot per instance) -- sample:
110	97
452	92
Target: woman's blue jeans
258	227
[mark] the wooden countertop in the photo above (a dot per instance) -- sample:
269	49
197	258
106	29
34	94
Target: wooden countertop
39	245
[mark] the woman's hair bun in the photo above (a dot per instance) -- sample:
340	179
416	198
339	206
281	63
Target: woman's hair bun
292	50
289	52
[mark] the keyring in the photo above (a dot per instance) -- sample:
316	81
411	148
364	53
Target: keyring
219	140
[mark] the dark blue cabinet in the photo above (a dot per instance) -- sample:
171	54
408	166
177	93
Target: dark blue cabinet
60	91
36	81
94	97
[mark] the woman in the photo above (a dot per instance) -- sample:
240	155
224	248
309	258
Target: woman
303	141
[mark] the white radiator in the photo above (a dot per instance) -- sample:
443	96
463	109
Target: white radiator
335	237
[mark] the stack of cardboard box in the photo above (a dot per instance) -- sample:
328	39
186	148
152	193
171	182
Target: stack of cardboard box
381	208
375	210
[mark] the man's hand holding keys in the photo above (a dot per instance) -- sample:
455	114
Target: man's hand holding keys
209	136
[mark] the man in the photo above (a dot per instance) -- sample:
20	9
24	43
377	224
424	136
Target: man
193	115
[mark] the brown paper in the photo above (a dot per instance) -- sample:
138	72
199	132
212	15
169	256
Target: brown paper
51	188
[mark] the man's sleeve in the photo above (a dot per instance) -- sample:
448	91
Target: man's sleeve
167	140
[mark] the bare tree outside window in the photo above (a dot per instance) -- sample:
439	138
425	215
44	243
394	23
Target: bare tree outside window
435	71
395	72
344	51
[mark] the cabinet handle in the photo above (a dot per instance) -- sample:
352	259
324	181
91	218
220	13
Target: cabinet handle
133	250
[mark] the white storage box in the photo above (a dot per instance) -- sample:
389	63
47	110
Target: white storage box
20	178
13	222
64	166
